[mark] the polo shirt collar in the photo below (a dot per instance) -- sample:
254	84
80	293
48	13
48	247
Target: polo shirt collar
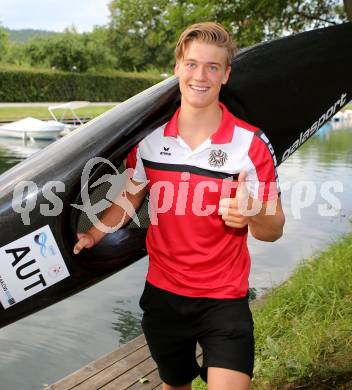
223	134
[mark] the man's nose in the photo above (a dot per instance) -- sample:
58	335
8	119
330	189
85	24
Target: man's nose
200	73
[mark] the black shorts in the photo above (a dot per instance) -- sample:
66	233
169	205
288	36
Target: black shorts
173	325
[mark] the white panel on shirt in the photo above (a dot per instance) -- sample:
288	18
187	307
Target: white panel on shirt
139	172
170	150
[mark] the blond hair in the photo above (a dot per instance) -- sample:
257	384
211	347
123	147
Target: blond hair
207	32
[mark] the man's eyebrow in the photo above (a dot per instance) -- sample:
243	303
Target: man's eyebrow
209	63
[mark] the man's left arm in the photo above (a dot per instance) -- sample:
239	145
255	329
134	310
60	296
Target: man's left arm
268	224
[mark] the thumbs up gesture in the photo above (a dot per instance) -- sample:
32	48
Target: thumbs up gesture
237	212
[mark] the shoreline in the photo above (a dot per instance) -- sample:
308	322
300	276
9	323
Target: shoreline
303	327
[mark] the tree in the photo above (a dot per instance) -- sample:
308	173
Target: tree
144	32
35	51
3	43
67	51
99	54
71	51
15	54
348	8
138	35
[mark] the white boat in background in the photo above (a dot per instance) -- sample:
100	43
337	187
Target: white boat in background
342	116
342	120
68	107
348	115
31	128
36	129
71	107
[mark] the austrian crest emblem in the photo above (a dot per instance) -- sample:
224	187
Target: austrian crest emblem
217	158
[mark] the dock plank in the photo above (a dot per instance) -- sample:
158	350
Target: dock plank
153	380
115	370
132	376
121	369
98	365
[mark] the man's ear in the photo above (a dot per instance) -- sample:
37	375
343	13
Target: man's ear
176	68
226	75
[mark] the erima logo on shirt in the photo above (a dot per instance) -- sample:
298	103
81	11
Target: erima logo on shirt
217	158
165	152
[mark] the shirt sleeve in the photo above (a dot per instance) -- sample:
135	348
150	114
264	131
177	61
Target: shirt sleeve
135	162
262	178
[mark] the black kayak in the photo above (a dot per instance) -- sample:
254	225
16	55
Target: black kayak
288	88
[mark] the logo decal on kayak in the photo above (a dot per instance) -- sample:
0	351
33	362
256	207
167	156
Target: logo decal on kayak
304	135
41	240
29	265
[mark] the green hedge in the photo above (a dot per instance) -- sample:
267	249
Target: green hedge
52	86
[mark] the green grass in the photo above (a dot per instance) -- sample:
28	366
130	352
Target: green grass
304	328
15	113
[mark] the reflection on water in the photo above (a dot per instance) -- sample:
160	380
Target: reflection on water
325	161
13	151
128	323
60	339
329	147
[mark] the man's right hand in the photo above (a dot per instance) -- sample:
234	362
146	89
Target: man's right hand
85	240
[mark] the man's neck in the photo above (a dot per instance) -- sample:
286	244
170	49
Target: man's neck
196	125
201	121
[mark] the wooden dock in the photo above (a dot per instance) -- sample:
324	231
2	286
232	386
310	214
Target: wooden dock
128	367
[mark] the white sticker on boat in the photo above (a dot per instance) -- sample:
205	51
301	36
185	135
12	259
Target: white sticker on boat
29	265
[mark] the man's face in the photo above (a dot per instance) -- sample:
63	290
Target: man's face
202	71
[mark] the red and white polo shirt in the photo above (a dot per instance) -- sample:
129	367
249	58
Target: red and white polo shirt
191	251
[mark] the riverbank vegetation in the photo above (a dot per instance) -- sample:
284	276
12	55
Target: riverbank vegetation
303	328
141	35
52	85
9	114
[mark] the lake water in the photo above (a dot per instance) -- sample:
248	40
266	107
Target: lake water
48	345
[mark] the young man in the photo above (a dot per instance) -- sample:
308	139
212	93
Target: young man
204	169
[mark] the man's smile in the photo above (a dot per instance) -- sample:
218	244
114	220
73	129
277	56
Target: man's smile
198	88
